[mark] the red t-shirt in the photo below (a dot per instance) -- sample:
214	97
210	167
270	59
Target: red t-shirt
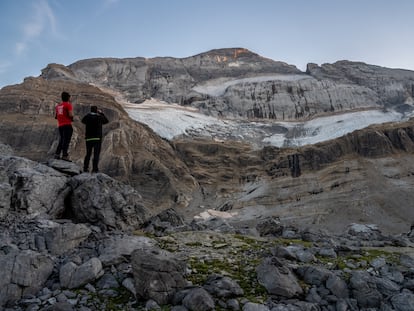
62	113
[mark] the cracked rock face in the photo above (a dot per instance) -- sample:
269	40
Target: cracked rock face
99	199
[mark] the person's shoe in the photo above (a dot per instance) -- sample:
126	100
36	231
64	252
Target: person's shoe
66	158
85	170
57	157
95	171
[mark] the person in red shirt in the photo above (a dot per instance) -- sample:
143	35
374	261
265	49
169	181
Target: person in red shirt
64	116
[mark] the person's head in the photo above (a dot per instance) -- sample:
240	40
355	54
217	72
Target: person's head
94	109
65	96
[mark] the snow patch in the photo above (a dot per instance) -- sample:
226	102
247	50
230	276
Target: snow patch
169	120
172	120
211	213
326	128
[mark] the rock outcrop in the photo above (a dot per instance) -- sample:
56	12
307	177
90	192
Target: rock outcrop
131	152
99	199
394	87
158	274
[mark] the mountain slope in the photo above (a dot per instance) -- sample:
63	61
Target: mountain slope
361	176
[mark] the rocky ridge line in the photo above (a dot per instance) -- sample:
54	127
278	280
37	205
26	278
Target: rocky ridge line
257	87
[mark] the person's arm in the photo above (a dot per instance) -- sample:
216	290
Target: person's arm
104	118
69	109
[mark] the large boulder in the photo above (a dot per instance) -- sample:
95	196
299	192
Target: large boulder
72	275
365	290
101	200
36	188
62	238
158	274
222	286
403	301
278	279
198	299
117	249
314	275
22	273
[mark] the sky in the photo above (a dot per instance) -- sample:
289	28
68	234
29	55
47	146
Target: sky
35	33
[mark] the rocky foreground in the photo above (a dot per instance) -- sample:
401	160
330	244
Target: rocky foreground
72	241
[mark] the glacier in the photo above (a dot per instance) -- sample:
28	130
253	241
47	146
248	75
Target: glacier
173	121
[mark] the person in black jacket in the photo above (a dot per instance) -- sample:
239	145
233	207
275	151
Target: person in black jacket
93	134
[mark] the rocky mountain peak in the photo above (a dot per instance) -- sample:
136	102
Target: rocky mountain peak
234	61
230	54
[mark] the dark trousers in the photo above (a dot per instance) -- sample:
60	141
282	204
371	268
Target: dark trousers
65	135
94	145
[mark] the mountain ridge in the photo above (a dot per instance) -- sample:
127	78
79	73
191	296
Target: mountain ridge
339	87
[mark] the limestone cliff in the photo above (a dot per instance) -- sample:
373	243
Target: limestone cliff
238	83
172	79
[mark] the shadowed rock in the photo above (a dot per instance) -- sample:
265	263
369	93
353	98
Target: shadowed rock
73	276
37	189
278	279
158	274
101	200
198	299
115	250
22	273
65	237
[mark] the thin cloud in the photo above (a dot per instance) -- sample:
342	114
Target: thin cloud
100	9
43	19
20	47
4	66
108	3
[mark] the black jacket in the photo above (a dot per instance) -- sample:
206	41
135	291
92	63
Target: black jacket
94	122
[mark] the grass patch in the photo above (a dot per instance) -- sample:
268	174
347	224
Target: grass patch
241	270
359	261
